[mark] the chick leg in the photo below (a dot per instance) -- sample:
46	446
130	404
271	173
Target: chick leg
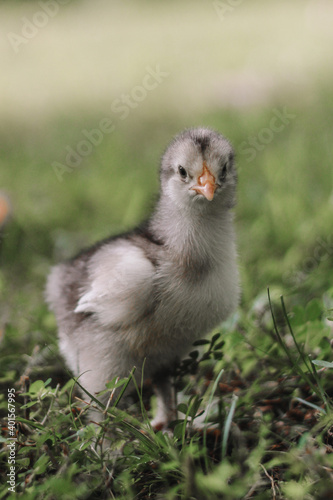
166	404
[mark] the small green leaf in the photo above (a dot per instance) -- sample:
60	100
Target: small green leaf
179	430
320	362
30	423
29	405
114	383
23	462
182	407
219	345
49	380
201	342
215	337
194	406
35	387
41	465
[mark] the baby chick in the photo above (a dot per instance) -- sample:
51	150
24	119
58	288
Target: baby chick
145	296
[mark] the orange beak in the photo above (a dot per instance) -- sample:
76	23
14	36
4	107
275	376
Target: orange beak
206	183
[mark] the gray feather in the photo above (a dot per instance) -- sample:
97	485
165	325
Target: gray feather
149	294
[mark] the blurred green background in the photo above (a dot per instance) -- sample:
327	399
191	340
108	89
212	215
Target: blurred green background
92	92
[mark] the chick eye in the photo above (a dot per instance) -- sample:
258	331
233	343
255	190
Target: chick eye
223	173
182	172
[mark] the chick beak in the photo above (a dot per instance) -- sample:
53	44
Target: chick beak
206	183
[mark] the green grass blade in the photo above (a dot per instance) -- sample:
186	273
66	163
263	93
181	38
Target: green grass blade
294	363
228	425
124	387
311	405
210	402
301	353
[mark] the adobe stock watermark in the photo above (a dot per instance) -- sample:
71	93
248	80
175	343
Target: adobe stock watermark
11	444
31	27
223	9
254	144
323	250
121	107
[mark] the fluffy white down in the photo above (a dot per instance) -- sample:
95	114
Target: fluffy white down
121	279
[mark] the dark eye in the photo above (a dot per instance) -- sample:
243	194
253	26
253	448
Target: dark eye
182	172
223	173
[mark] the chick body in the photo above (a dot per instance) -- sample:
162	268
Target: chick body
147	295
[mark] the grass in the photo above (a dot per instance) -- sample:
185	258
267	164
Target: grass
254	399
254	419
